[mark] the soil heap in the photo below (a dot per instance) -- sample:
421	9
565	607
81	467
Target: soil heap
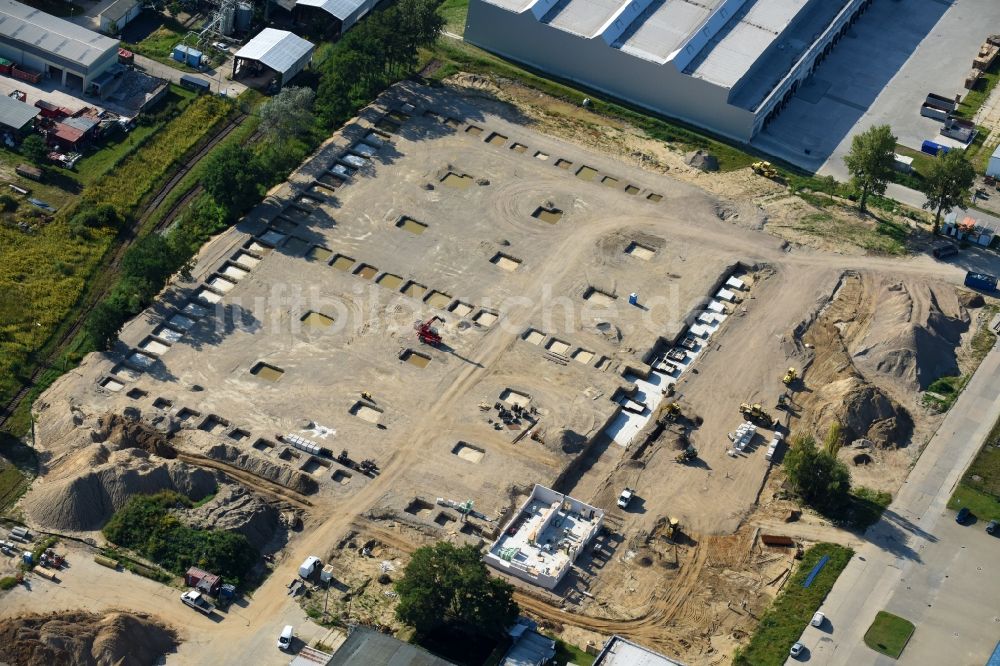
235	509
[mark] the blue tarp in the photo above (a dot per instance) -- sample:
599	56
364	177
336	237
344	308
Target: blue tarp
995	657
815	572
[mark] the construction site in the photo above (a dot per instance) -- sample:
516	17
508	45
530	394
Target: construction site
451	302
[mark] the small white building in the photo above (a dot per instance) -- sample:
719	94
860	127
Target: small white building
619	651
993	168
544	538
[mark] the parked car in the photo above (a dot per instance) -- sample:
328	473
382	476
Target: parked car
963	516
796	650
818	619
285	639
625	497
991	528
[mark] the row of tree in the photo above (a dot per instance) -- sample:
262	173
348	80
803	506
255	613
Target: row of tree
872	162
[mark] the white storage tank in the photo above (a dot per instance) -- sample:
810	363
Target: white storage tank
244	16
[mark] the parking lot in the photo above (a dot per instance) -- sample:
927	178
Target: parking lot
880	73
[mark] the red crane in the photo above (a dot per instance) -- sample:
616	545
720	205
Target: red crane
426	332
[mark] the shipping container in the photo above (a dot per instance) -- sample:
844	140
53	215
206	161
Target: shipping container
5	66
934	149
187	55
980	281
196	84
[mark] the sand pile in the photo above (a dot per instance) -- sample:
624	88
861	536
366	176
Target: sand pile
71	638
235	509
292	479
103	481
121	432
863	411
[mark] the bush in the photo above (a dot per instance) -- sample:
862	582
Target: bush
7	582
8	203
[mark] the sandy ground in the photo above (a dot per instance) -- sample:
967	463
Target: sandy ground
669	594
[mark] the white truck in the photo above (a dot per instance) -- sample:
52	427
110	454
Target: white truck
197	601
625	497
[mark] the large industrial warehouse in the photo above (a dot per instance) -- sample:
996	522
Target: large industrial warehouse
726	65
61	50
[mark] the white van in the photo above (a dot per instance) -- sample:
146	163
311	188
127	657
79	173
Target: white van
309	567
285	639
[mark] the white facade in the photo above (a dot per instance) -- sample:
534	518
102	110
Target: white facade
725	65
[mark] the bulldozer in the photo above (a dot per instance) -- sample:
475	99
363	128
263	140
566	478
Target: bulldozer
789	377
687	455
765	169
756	414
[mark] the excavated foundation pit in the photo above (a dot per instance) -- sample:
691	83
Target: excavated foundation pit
505	261
453	123
419	507
186	414
496	139
443	518
296	245
411	225
466	451
253	247
563	164
640	251
269	372
415	358
414	290
485	318
342	262
213	423
238	435
366	412
246	259
136	394
437	299
264	446
586	173
125	373
389	281
457	181
598	297
273	237
541	156
341	477
513	397
460	309
583	356
518	147
365	271
167	334
474	130
557	346
234	272
319	253
610	181
533	336
112	384
631	189
152	346
316	466
313	319
162	403
654	197
550	215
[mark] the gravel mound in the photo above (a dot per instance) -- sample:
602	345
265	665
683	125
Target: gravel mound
77	638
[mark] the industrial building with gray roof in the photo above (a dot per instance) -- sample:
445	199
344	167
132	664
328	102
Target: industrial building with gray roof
282	52
728	66
53	47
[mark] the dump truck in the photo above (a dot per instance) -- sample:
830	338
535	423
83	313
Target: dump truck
197	601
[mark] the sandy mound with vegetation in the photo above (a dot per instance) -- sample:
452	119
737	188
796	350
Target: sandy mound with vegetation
72	638
235	509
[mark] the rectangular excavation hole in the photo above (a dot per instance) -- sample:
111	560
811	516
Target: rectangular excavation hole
389	281
505	261
207	296
631	189
195	309
387	125
539	155
518	147
470	529
330	180
313	319
563	164
272	237
289	454
457	181
186	413
306	199
342	262
654	197
284	225
321	191
586	173
460	309
316	466
598	297
366	412
453	123
112	384
265	371
437	299
122	371
167	334
399	116
213	423
366	271
256	248
411	225
141	361
296	245
136	394
234	272
602	363
468	452
583	356
163	403
414	289
474	130
319	253
496	139
263	445
557	346
533	336
610	181
238	435
513	397
341	477
485	318
443	518
375	139
353	162
246	259
364	150
550	215
153	346
415	358
220	283
181	322
432	114
640	251
342	171
419	507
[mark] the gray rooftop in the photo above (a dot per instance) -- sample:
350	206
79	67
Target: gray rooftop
278	49
340	9
15	114
365	646
118	9
582	17
620	652
26	25
664	27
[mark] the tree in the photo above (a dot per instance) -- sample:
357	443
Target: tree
231	176
822	481
443	584
871	161
946	184
33	148
287	114
103	324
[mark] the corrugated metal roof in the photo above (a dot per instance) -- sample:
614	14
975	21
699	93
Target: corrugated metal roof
340	9
278	49
365	646
15	114
26	25
621	652
118	9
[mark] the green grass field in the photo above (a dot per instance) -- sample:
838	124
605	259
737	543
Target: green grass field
889	634
782	624
454	13
979	489
974	99
882	238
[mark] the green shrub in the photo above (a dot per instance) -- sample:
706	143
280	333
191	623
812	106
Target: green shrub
7	582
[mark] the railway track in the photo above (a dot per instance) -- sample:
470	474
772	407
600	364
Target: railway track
116	258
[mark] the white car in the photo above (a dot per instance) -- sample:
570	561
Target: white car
285	639
625	497
817	620
796	650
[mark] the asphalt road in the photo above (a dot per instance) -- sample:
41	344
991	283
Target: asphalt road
918	563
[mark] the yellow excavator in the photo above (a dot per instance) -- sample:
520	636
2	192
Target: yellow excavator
765	169
790	376
756	414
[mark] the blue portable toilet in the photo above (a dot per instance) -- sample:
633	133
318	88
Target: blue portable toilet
27	558
633	298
